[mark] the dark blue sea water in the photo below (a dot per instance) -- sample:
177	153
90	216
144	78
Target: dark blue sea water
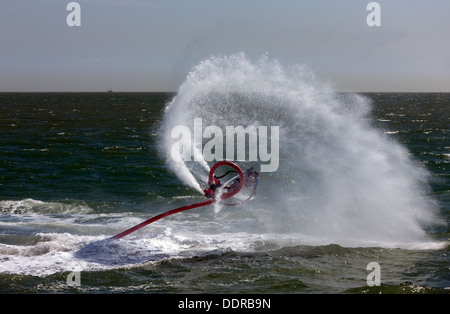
78	168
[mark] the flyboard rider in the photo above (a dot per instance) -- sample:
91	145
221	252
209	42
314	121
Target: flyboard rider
250	178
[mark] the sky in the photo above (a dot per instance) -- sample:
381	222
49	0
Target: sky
144	46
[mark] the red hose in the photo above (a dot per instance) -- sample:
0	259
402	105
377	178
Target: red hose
187	207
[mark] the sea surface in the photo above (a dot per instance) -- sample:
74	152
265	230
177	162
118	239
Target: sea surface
360	202
78	168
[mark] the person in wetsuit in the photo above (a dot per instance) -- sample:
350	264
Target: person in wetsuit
250	178
212	188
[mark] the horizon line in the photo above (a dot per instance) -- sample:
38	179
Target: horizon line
170	92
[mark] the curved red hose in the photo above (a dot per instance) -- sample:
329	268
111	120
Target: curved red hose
196	205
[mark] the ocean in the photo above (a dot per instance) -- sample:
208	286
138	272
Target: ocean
360	202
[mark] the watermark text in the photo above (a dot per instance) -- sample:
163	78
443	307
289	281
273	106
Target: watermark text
374	277
74	17
236	147
374	17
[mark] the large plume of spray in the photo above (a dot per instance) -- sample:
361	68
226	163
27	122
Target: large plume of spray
339	179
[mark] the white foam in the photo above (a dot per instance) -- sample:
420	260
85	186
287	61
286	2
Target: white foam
184	236
32	206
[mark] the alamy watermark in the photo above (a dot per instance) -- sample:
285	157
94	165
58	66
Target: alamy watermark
374	17
74	279
374	277
260	145
74	17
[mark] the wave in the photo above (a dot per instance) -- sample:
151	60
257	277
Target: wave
32	206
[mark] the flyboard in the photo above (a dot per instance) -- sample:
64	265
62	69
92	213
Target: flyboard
249	178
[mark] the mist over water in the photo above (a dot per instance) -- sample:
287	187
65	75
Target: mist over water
340	180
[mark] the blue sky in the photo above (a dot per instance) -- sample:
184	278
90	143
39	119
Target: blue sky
139	45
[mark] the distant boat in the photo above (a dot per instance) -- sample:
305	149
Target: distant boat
110	90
